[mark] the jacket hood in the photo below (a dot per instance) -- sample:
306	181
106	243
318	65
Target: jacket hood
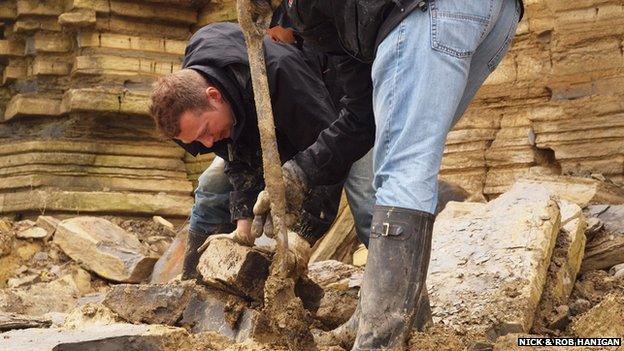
210	51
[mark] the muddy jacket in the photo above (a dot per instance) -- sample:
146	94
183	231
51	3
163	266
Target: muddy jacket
301	105
350	30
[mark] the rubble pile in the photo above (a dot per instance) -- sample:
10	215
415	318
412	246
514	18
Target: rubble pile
534	261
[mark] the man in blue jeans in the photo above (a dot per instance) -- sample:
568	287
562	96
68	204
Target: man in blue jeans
409	69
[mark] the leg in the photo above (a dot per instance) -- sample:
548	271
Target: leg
361	196
421	76
210	213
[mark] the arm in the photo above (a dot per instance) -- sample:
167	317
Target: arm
350	137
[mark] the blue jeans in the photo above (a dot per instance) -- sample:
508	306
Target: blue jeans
426	72
211	208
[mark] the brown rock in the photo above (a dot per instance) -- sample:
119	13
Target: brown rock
232	267
604	320
9	321
6	238
36	299
32	233
150	303
212	310
169	265
606	248
104	248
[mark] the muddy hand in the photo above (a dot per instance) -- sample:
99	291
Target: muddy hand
243	237
296	182
299	252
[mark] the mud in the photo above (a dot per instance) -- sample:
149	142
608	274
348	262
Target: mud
436	338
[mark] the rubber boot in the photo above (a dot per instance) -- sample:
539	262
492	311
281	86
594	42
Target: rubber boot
398	258
191	256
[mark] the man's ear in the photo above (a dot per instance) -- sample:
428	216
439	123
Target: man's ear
214	94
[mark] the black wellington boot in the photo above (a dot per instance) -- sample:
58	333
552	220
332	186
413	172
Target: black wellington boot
191	256
398	258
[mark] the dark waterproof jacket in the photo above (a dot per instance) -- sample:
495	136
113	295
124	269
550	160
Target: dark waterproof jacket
302	108
350	30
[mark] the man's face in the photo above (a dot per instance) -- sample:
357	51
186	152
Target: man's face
209	125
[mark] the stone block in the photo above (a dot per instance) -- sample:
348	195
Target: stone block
11	48
21	105
606	248
169	265
602	321
212	310
149	303
104	248
78	19
98	337
488	264
48	223
581	191
232	267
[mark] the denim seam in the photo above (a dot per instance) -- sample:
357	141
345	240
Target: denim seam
463	16
399	43
493	62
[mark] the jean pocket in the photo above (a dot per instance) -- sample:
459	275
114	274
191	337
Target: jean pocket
458	27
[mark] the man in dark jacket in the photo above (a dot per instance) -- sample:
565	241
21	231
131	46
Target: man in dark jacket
208	107
409	69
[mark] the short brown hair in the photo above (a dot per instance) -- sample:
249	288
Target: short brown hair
175	94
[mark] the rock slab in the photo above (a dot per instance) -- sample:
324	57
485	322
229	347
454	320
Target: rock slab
236	268
104	248
606	248
97	338
489	261
149	303
169	265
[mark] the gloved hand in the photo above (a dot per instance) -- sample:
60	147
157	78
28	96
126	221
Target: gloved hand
242	235
299	252
297	188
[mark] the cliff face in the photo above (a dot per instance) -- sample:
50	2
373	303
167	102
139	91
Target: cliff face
554	105
75	135
75	131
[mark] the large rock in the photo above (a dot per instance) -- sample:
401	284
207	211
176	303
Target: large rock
151	304
489	261
606	248
212	310
564	266
604	320
104	248
97	338
581	191
169	265
9	321
236	268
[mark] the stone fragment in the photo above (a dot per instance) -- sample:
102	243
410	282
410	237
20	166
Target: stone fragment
169	265
48	223
165	223
582	191
616	268
564	266
236	268
212	310
91	313
489	263
32	233
9	321
81	18
17	282
6	238
98	337
331	273
594	225
36	299
360	256
149	303
104	248
606	248
604	320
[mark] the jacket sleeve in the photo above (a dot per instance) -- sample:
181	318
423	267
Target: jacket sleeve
329	158
247	183
301	103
